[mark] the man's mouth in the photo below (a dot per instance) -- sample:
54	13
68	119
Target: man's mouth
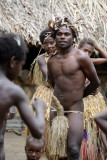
62	42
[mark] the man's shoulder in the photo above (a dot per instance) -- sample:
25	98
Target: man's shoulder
15	90
51	58
41	59
80	54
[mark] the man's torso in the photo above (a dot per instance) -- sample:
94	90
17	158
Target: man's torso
69	79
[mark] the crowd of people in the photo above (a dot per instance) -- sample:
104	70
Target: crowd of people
63	71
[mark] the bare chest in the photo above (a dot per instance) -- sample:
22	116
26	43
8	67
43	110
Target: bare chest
65	66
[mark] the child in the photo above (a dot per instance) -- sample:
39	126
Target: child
13	52
39	72
34	148
92	105
88	46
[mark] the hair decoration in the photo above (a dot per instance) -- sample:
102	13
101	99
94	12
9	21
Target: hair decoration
61	22
18	40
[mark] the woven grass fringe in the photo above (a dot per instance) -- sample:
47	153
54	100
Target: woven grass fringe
59	131
45	92
35	73
92	147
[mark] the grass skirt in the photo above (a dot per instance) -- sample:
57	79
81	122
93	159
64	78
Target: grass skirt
92	147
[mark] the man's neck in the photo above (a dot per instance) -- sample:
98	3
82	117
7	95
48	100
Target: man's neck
65	51
2	71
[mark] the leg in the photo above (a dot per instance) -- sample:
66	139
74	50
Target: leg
2	132
75	135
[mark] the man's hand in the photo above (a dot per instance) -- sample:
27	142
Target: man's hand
11	113
39	105
95	92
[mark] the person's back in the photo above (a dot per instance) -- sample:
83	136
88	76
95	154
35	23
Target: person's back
13	52
9	95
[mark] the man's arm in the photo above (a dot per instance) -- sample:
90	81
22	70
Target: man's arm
90	73
98	61
36	124
101	120
43	66
50	75
104	139
101	52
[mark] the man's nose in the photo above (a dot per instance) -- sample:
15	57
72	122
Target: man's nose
33	154
87	53
62	36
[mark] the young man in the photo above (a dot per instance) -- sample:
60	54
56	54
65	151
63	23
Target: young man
67	72
92	105
13	52
39	70
48	44
34	148
88	46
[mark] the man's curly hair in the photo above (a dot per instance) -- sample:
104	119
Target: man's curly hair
54	26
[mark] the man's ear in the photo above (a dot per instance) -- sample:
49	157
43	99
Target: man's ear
12	61
25	148
55	42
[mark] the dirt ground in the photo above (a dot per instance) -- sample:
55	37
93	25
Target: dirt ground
14	146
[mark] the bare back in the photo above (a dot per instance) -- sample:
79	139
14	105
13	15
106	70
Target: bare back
5	99
11	94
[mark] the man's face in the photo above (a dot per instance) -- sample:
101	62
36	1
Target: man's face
88	49
64	37
49	44
34	150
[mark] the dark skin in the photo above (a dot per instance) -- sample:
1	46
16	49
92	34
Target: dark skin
88	49
101	120
67	72
34	150
48	46
13	95
10	115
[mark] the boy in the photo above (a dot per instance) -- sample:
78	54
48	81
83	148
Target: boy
88	46
13	52
34	148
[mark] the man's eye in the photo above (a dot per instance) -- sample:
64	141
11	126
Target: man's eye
67	34
59	34
38	152
51	42
30	151
45	43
